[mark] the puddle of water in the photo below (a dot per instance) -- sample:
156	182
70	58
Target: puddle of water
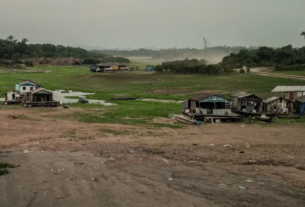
61	97
162	100
58	95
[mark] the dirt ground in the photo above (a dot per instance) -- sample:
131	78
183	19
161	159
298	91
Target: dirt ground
77	164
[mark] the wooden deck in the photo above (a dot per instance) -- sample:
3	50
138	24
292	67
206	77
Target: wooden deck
41	104
212	117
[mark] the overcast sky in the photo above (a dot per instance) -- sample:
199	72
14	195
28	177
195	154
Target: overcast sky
157	23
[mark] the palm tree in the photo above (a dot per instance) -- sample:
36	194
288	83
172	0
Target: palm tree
303	34
11	38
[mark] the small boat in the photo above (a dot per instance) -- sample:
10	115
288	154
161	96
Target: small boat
185	119
124	99
83	100
264	118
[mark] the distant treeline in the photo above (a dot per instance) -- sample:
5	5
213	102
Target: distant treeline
191	66
176	53
284	58
14	51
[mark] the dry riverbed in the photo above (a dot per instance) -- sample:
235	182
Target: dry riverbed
68	163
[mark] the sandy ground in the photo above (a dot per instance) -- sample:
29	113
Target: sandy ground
77	164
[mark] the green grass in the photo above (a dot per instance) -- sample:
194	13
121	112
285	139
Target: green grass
137	84
300	73
127	113
4	166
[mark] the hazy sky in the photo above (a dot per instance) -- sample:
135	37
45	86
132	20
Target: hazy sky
157	23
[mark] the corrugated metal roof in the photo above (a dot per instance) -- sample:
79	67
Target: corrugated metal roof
288	89
271	99
300	99
26	82
275	98
39	89
111	64
201	96
241	95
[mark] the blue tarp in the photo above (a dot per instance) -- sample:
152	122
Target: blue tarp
303	108
150	69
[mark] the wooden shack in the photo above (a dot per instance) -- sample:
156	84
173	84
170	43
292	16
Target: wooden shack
40	97
12	97
207	103
289	92
207	106
278	105
104	67
300	105
247	103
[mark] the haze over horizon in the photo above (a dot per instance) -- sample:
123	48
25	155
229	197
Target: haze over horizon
155	23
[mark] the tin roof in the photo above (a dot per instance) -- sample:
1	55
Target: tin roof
27	82
288	89
201	96
241	95
110	64
301	99
39	89
275	98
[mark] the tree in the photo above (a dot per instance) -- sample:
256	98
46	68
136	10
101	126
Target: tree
11	38
24	40
303	34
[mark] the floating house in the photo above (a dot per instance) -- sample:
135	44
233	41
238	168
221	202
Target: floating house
290	92
103	67
209	107
40	97
278	105
247	103
207	103
12	97
300	105
25	87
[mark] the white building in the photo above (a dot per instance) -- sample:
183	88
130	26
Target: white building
25	87
12	96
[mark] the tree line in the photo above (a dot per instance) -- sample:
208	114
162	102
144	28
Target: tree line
190	66
13	51
176	53
284	58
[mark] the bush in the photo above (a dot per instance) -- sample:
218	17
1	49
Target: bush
290	67
5	62
91	61
29	63
117	59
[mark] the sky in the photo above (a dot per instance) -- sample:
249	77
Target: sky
155	23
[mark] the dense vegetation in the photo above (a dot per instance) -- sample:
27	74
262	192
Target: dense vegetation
176	53
13	51
284	58
189	67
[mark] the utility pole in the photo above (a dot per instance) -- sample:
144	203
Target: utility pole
205	43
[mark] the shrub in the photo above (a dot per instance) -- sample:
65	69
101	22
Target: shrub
91	61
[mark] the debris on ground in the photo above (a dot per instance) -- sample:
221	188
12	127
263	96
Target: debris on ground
26	151
241	187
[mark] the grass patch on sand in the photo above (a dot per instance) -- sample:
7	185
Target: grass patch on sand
127	113
4	166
